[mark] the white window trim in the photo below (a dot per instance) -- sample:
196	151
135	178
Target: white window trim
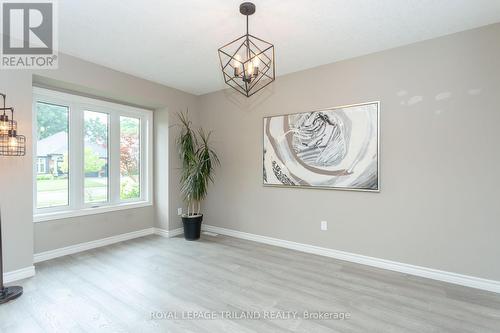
77	105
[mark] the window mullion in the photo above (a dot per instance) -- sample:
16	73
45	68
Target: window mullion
146	170
76	173
142	159
114	158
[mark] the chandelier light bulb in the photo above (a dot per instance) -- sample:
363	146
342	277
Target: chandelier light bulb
256	61
250	69
237	61
237	65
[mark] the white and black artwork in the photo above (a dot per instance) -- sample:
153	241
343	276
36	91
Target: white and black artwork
336	148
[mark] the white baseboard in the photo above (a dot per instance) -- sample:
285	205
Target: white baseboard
161	232
176	232
64	251
169	233
430	273
19	274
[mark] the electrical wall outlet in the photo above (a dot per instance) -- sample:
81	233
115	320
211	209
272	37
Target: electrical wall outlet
324	225
179	211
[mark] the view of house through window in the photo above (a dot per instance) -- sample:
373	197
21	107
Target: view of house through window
96	157
130	158
52	151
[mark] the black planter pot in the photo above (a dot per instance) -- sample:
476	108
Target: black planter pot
192	227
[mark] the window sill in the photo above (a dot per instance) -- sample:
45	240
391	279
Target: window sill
88	211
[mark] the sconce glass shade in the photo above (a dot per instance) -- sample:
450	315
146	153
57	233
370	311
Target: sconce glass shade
12	145
4	124
11	126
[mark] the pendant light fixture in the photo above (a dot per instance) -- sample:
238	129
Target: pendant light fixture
247	62
11	144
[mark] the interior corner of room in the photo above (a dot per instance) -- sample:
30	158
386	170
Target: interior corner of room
363	166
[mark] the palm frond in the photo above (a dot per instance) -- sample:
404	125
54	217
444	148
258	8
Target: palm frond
198	160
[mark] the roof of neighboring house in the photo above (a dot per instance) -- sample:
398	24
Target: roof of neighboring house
57	144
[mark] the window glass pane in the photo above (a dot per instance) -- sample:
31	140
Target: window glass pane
95	157
130	158
52	155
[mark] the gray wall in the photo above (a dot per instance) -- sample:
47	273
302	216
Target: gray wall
439	157
438	205
21	236
16	180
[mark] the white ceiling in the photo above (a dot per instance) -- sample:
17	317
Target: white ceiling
175	42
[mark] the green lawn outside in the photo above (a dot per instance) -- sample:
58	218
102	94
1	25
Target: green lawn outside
51	185
54	192
62	184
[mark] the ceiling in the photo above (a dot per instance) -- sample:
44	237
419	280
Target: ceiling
175	42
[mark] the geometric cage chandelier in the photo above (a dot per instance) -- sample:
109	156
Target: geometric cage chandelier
247	62
11	143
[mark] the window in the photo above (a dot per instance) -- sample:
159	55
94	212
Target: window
95	157
52	181
130	158
41	167
91	156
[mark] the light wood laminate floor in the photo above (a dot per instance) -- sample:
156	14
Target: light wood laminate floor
118	287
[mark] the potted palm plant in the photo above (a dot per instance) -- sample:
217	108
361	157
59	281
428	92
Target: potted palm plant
197	171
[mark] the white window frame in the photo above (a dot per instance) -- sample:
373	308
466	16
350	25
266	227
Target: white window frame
77	105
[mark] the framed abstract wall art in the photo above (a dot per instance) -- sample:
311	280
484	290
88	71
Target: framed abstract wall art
334	148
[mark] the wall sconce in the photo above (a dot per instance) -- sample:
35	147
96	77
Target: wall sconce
11	143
